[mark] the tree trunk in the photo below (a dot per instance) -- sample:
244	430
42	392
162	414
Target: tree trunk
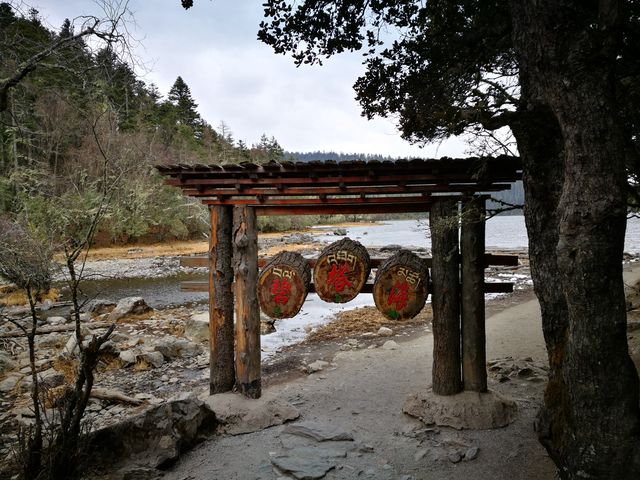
445	298
567	54
245	267
221	339
474	352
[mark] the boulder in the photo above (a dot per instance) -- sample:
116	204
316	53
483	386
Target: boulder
317	366
465	410
56	320
238	415
172	347
385	332
156	437
390	345
10	382
196	328
100	306
129	306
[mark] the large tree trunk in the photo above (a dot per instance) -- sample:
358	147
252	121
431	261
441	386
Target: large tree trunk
592	414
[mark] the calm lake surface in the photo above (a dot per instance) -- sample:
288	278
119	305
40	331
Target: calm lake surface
503	232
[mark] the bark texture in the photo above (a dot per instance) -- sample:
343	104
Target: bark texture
245	267
222	371
445	298
474	356
591	421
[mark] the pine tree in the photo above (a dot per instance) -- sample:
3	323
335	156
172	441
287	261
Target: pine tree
180	97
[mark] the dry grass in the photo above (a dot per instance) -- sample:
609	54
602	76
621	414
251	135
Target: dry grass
15	298
290	248
141	366
67	366
362	320
136	318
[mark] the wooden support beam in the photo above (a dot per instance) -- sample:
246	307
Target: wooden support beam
423	206
445	299
221	339
488	287
245	267
474	357
489	259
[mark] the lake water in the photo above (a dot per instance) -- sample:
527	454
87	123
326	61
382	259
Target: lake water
502	233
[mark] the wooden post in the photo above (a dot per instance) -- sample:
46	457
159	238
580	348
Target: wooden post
445	299
474	357
245	267
222	372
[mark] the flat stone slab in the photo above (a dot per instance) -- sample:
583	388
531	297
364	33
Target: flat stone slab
308	463
237	414
466	410
320	432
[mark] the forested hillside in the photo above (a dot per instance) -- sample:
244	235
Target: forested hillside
82	127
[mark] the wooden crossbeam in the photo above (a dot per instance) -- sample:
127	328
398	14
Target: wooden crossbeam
490	259
489	287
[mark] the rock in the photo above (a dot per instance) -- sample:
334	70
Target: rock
340	231
454	457
317	366
100	306
267	325
385	332
129	306
464	410
320	432
153	358
420	454
239	415
390	345
50	340
172	347
471	454
7	363
51	378
136	472
155	437
308	463
196	328
128	357
56	320
10	383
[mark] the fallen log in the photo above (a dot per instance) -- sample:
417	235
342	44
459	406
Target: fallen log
57	328
114	396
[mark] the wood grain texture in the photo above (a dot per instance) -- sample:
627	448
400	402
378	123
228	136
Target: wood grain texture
245	268
401	286
341	271
283	285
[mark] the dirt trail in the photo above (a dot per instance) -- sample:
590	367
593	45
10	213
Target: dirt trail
363	392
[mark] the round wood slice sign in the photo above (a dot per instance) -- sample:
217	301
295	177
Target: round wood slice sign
342	269
283	285
401	286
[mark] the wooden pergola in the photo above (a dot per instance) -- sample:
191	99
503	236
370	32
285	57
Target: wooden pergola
237	193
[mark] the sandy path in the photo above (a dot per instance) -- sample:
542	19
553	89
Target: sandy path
363	393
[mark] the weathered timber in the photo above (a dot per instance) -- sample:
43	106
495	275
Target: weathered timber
490	259
114	396
445	298
401	286
323	200
423	206
488	287
60	328
474	357
283	285
245	267
342	269
221	338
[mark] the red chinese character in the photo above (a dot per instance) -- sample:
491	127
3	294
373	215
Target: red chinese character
338	278
399	295
281	290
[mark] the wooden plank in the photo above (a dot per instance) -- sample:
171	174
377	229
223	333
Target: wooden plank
488	287
221	335
346	190
317	201
245	268
490	260
344	209
472	239
445	298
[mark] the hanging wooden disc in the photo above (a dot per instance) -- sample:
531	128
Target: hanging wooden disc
342	269
283	285
400	289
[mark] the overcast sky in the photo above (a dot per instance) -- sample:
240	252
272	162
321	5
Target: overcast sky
237	79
